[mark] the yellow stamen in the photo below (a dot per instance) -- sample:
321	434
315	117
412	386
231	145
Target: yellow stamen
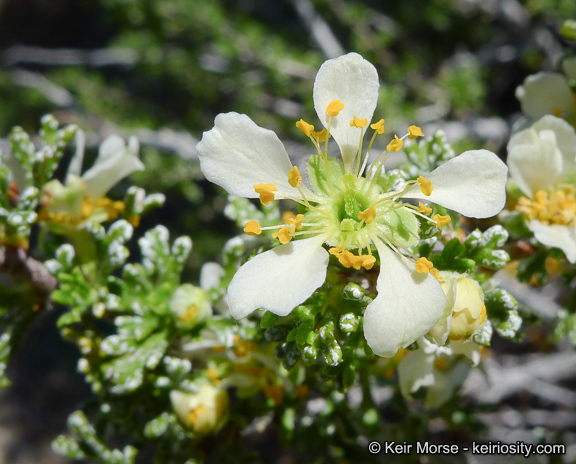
336	250
334	108
378	126
368	215
423	208
266	192
423	266
425	185
284	234
321	136
551	208
435	273
414	132
308	129
296	221
294	177
286	216
368	261
357	122
396	144
441	220
252	228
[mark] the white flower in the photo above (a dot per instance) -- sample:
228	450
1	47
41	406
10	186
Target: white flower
548	92
440	368
70	205
190	305
343	208
540	160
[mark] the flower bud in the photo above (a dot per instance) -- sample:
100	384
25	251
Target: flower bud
469	311
190	305
203	412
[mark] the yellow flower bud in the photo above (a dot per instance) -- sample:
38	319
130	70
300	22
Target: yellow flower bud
203	412
190	305
469	311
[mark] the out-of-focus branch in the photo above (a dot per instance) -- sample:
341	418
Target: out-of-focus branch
21	54
318	29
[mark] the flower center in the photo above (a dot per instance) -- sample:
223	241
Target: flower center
350	209
551	207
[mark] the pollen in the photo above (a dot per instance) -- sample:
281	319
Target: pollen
294	177
252	228
396	144
357	122
425	185
308	129
423	208
378	126
266	192
368	215
423	266
321	136
284	234
414	132
286	216
441	220
334	108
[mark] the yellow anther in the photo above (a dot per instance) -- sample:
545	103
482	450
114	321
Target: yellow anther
557	112
555	207
294	177
286	216
308	129
284	234
423	266
368	215
441	364
334	108
336	250
266	192
396	144
252	228
378	126
441	220
357	122
425	185
347	259
368	262
423	208
296	221
414	132
321	136
435	273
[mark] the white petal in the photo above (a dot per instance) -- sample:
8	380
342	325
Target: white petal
543	93
75	166
415	371
473	184
540	155
354	81
114	162
564	135
237	154
558	236
408	305
279	279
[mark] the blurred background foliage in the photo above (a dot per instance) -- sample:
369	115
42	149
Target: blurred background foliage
163	69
